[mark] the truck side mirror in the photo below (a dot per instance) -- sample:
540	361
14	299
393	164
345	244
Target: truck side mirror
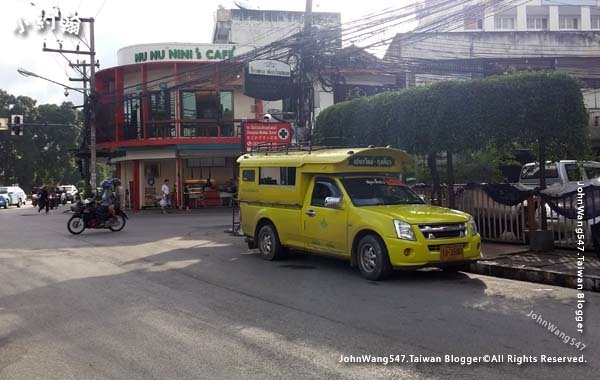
333	202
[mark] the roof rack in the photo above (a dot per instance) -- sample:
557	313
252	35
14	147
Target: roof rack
274	147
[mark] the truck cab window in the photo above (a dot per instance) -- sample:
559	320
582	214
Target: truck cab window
573	172
324	187
285	176
248	175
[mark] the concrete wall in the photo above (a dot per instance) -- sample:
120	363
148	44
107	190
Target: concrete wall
497	45
552	10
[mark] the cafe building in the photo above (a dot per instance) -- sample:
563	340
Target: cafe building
173	111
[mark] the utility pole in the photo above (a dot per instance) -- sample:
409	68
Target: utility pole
305	106
89	99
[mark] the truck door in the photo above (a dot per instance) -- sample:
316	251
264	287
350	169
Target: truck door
324	218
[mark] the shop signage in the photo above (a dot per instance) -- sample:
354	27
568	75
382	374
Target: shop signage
377	161
268	80
269	67
255	133
177	52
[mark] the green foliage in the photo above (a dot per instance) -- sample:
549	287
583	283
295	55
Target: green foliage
41	155
464	116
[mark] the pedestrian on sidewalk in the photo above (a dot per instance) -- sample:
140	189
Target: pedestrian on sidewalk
166	200
186	198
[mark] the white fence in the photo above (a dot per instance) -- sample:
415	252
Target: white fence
511	224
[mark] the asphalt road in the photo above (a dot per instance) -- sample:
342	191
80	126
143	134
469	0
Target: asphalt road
174	297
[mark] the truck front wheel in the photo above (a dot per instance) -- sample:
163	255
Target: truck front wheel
373	259
268	243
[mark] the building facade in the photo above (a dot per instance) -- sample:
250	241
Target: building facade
482	38
172	111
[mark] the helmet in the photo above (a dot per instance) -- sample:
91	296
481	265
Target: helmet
106	184
116	182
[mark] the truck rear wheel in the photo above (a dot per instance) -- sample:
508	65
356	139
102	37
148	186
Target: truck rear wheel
268	243
373	259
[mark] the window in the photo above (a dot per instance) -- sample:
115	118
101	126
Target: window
573	172
188	109
504	23
131	114
537	23
151	171
473	24
162	105
277	176
533	172
591	170
200	104
324	188
376	191
473	18
248	175
226	104
568	22
596	22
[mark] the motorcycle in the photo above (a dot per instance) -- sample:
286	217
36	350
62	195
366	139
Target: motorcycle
88	215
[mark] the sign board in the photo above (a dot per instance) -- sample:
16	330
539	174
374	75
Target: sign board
268	80
3	124
269	67
371	161
173	51
255	133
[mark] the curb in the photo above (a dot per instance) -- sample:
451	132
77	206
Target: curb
567	280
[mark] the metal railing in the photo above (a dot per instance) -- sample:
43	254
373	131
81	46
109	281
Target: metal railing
512	224
495	221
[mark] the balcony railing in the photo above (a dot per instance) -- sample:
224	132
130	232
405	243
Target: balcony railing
167	130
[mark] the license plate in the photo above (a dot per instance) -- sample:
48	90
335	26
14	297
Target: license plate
451	252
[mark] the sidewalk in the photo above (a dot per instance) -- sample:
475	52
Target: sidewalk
559	267
177	211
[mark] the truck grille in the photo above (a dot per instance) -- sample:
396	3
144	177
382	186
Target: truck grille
443	231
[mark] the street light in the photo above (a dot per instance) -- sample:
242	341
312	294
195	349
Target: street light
27	73
84	91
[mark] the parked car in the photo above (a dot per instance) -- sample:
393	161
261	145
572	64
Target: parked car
12	195
559	173
70	192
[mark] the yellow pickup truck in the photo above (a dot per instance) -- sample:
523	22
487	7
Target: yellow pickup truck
349	203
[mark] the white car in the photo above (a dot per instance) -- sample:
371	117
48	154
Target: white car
12	195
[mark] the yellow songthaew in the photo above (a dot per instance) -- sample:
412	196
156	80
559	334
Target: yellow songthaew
349	203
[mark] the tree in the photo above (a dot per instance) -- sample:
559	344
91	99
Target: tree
41	155
542	108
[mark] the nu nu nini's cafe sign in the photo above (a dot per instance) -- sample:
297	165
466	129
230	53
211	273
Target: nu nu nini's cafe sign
177	52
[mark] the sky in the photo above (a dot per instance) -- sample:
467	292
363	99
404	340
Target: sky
121	23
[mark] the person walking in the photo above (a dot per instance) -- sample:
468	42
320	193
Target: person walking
119	193
186	198
166	198
43	201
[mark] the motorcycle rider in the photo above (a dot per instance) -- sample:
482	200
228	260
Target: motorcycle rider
107	201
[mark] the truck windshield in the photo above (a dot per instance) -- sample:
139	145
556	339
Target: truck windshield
375	191
3	190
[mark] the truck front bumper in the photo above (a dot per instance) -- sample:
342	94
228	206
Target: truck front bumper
427	253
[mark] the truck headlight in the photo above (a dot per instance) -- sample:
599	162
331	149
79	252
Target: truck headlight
472	226
404	230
